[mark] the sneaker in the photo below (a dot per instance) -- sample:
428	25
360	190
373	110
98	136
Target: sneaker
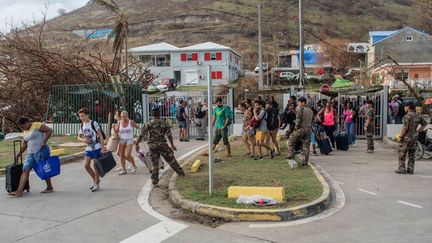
133	169
186	140
119	168
354	145
92	186
95	188
314	153
181	139
129	167
272	154
259	158
123	172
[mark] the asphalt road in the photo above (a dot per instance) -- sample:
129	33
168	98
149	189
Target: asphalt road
380	206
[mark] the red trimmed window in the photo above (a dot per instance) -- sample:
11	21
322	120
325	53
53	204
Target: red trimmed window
217	75
183	57
194	56
218	56
207	56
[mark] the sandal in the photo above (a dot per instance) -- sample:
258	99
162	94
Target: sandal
47	191
123	172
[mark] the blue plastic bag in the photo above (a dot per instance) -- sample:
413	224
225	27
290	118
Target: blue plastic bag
46	169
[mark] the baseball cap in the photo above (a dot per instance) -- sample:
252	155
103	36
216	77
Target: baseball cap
302	99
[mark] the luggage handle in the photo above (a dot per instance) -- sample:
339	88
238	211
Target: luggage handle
14	147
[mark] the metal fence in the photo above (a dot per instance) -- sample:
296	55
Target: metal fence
168	104
102	100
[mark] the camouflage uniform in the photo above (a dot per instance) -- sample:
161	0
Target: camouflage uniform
370	114
302	132
410	123
154	133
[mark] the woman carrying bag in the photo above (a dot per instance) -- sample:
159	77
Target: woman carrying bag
328	118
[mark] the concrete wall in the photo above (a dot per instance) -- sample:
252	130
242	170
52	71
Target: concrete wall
392	130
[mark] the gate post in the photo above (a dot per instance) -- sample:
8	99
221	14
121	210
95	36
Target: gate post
384	100
230	101
145	109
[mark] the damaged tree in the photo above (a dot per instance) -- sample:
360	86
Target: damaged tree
29	67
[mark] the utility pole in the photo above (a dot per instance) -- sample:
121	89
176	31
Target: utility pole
260	52
301	39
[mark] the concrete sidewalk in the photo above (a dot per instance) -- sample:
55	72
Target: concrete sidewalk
75	214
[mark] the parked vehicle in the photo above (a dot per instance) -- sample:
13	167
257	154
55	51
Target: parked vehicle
265	67
156	86
289	76
171	83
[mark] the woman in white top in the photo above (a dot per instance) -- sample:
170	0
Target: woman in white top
125	130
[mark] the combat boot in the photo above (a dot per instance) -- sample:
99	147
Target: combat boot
401	171
409	171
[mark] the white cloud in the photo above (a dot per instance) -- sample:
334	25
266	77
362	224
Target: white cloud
19	11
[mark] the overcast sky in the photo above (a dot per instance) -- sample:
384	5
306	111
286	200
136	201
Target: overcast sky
17	11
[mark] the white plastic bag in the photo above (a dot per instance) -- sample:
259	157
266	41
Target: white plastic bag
258	200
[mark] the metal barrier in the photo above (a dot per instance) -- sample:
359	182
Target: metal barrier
101	99
168	104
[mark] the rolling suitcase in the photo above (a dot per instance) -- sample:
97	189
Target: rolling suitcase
105	163
13	173
342	141
324	143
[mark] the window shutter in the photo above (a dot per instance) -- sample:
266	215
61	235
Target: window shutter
207	56
214	76
194	56
219	75
183	57
218	55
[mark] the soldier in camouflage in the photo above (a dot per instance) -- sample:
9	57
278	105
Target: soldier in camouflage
154	133
302	131
408	138
369	126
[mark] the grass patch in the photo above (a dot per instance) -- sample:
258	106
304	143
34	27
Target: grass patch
6	148
192	88
301	185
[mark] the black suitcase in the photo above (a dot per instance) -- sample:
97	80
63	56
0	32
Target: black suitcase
342	141
13	173
105	163
324	145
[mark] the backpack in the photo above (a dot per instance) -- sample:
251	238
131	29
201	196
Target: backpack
254	123
272	119
200	113
94	129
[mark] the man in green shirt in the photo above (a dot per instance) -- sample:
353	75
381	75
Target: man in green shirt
221	117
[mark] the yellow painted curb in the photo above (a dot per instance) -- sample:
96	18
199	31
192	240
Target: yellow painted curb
57	152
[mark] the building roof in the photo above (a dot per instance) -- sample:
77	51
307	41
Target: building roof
165	47
392	33
158	47
382	33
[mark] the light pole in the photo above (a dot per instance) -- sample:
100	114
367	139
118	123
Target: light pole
210	128
260	52
301	39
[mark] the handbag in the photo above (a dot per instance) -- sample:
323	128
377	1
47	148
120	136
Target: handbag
113	143
46	169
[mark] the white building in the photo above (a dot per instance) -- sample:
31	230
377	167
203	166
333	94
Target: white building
188	65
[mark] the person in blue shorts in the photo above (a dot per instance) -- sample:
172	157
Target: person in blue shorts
35	137
91	134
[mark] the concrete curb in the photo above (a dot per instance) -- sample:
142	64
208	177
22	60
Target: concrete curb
63	160
232	214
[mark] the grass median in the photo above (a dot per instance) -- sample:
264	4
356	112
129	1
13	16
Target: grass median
301	185
6	148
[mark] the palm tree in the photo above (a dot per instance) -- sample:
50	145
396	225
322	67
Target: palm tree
121	30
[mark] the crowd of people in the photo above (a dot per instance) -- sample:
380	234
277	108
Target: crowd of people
308	122
305	122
